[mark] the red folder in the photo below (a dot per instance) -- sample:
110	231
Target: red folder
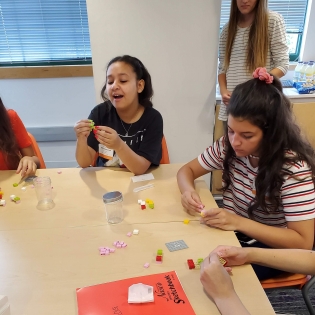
112	297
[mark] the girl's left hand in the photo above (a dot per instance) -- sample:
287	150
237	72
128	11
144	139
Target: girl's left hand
108	137
220	218
27	166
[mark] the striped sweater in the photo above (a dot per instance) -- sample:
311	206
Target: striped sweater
297	193
277	57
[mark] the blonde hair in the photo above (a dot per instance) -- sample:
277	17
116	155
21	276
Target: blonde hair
258	38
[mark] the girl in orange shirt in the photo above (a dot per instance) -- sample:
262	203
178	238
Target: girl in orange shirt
16	150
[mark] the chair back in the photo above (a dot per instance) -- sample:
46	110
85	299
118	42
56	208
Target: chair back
165	158
37	151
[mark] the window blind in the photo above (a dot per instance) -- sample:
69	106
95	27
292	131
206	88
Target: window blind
293	12
44	32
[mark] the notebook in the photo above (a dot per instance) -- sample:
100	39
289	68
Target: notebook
112	297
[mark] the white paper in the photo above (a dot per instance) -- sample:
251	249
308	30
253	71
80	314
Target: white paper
140	293
142	178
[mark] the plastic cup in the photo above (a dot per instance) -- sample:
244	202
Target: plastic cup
113	201
44	193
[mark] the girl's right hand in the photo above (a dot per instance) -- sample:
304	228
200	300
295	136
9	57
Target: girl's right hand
226	95
191	202
82	128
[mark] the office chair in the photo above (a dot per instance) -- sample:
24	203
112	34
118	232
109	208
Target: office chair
37	151
295	280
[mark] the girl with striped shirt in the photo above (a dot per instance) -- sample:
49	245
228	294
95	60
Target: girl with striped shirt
253	37
268	171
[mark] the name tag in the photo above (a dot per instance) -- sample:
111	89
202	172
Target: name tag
105	152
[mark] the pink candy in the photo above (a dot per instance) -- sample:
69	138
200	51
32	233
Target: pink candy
108	250
119	244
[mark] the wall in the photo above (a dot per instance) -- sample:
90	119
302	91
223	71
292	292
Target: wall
308	43
51	103
180	53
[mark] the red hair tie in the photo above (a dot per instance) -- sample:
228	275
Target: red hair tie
262	74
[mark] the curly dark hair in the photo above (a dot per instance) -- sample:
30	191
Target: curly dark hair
265	106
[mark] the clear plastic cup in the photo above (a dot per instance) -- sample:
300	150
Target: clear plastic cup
44	193
113	201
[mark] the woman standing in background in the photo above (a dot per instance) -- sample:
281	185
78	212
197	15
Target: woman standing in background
254	37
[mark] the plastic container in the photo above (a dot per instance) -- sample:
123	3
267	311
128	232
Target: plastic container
44	193
297	69
309	72
302	72
113	201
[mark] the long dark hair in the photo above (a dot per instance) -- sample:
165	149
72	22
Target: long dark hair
8	144
265	106
141	73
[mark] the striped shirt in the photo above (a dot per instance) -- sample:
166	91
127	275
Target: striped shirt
277	57
297	194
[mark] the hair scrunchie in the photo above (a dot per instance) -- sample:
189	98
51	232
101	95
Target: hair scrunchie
262	74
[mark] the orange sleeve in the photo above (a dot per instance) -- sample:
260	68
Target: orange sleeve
22	138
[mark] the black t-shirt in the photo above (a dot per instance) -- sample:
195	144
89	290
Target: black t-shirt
144	136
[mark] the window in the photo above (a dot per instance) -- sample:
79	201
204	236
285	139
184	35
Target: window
44	32
293	12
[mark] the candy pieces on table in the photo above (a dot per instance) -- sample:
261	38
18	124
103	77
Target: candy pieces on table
2	201
129	234
194	264
16	199
15	184
199	261
150	203
159	259
142	203
197	264
119	244
159	256
186	221
135	232
146	265
191	264
106	250
59	172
